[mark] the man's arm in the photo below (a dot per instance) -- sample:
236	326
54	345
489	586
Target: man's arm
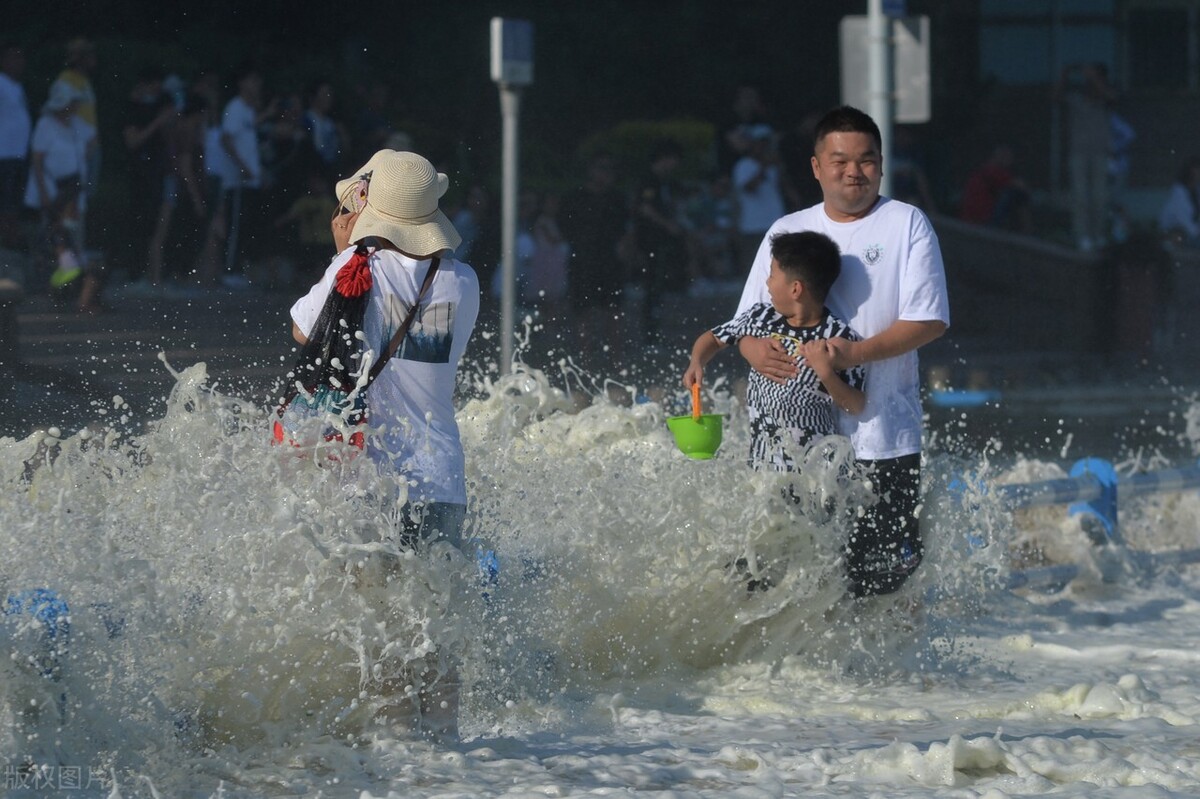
901	337
768	357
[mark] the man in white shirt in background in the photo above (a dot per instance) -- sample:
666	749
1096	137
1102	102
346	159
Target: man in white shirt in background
757	183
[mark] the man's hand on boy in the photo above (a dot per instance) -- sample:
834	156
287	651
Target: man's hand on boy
769	358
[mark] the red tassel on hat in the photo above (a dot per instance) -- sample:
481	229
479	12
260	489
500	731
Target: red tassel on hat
354	278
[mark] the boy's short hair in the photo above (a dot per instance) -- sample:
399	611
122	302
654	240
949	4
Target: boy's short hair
810	257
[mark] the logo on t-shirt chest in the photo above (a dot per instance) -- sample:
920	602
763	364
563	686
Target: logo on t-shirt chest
872	253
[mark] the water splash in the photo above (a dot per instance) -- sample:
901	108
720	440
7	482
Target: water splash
233	601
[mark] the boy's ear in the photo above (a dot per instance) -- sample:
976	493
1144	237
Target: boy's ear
797	289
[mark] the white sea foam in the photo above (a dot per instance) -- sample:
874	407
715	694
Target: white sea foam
237	607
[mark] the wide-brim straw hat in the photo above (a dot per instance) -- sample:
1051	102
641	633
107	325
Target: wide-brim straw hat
396	194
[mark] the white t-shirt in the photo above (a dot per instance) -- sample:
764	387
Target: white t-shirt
14	119
64	152
758	209
239	122
414	395
891	270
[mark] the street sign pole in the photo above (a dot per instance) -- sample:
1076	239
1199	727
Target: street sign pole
879	78
510	111
512	69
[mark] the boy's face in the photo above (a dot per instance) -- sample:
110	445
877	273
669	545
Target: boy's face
784	290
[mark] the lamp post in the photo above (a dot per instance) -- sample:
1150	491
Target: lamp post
512	70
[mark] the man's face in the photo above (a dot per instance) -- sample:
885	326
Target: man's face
849	168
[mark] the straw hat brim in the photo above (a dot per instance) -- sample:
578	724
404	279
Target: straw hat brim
427	237
424	236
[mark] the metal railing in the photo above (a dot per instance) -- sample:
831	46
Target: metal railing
1095	491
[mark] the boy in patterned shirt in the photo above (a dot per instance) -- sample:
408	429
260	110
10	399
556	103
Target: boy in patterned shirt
785	417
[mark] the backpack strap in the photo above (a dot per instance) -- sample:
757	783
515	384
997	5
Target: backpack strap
394	344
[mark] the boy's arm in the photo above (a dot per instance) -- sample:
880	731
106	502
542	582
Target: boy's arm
707	345
819	357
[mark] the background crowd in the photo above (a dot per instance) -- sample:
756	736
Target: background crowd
226	184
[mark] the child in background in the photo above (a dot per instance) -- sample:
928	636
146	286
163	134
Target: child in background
785	417
74	277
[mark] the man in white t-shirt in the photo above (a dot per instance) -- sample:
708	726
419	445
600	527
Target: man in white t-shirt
243	172
892	292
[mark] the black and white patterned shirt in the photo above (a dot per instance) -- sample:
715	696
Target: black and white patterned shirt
788	416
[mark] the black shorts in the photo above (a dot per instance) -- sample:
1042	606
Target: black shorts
885	546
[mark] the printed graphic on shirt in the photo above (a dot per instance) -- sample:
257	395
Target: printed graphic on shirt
431	336
787	417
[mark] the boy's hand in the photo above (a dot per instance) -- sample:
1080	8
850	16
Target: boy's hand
693	375
819	356
842	351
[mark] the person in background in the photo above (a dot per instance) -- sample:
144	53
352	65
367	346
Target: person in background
547	288
661	239
470	218
216	225
594	218
372	123
309	214
57	174
757	184
995	196
892	292
244	174
188	216
747	111
712	213
149	117
1087	97
77	74
15	129
910	183
1179	219
326	135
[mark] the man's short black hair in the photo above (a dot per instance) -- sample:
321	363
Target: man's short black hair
846	119
810	257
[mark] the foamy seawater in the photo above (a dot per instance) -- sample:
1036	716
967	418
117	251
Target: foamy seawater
235	608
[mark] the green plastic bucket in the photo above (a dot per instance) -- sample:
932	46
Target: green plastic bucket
696	439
